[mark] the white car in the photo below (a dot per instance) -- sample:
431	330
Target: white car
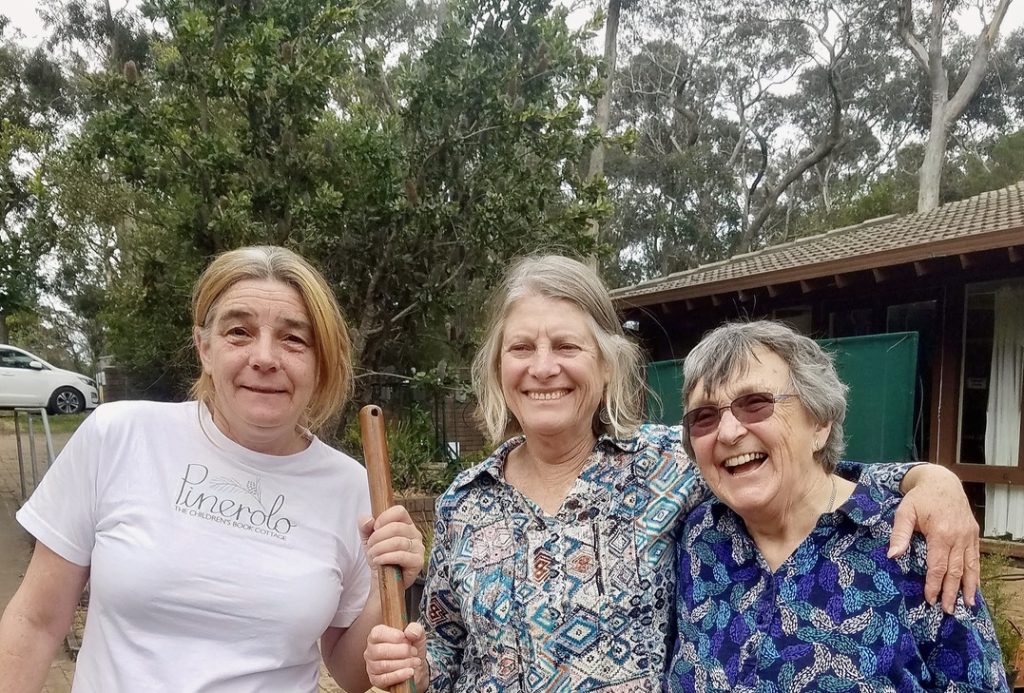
28	381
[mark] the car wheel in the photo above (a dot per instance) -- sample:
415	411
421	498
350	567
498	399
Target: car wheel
66	400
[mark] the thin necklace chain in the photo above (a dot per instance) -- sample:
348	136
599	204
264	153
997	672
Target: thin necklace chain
832	497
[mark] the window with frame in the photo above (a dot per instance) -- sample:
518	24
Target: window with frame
992	374
14	359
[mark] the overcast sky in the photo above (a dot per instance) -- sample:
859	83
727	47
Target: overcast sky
23	16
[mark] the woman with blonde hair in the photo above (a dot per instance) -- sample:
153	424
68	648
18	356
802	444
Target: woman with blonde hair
221	538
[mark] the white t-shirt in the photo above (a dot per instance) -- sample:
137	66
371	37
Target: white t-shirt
214	569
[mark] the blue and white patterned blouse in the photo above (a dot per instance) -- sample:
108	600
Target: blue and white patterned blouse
837	615
518	601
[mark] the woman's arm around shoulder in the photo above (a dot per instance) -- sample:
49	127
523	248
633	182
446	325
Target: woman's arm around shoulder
934	504
37	618
959	649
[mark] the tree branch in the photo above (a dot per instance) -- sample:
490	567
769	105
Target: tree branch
905	24
979	64
823	148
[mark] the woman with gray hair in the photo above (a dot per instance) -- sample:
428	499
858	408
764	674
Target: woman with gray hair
553	561
784	582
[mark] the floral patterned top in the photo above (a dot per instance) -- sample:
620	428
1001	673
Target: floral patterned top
837	615
517	600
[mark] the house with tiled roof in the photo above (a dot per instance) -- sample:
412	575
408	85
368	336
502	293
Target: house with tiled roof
953	277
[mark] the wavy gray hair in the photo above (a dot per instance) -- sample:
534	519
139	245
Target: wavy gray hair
561	278
725	352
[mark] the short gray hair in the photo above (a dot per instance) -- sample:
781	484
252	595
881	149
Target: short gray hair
561	278
724	353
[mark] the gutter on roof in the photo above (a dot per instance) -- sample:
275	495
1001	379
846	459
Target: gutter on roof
632	297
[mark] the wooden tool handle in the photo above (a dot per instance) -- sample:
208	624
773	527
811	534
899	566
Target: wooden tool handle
378	471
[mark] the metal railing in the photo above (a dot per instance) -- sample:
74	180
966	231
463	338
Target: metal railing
30	413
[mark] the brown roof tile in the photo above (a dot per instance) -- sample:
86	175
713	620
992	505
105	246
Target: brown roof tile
991	220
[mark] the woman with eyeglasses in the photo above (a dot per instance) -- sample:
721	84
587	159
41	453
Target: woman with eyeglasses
785	579
553	562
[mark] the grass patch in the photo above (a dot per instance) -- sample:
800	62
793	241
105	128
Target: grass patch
67	423
996	570
61	423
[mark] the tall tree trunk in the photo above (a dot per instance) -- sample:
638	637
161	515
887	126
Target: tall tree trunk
945	109
602	113
368	325
930	173
114	56
4	336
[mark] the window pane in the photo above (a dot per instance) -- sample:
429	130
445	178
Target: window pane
851	323
14	359
990	380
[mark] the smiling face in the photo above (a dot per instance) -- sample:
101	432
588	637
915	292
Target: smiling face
552	377
760	468
257	348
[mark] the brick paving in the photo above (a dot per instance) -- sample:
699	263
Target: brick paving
16	548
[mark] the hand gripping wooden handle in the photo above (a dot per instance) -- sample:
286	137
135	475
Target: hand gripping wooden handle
378	471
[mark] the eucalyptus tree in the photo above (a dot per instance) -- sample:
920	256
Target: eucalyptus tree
32	106
733	106
925	32
826	55
876	170
602	110
673	189
884	111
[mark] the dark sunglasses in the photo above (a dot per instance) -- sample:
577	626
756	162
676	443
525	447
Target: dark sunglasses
748	409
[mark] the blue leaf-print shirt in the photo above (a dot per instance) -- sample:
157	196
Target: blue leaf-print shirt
521	601
837	615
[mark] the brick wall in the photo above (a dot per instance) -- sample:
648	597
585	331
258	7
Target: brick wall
460	426
421	508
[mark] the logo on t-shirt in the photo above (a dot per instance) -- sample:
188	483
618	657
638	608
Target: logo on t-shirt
230	501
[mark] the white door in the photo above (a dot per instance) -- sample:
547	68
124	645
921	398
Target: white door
20	385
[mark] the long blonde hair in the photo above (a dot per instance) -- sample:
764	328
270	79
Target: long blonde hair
561	278
331	343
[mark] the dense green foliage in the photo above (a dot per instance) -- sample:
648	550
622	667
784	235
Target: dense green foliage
419	463
410	148
408	168
32	106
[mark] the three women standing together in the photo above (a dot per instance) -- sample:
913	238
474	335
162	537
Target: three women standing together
222	538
